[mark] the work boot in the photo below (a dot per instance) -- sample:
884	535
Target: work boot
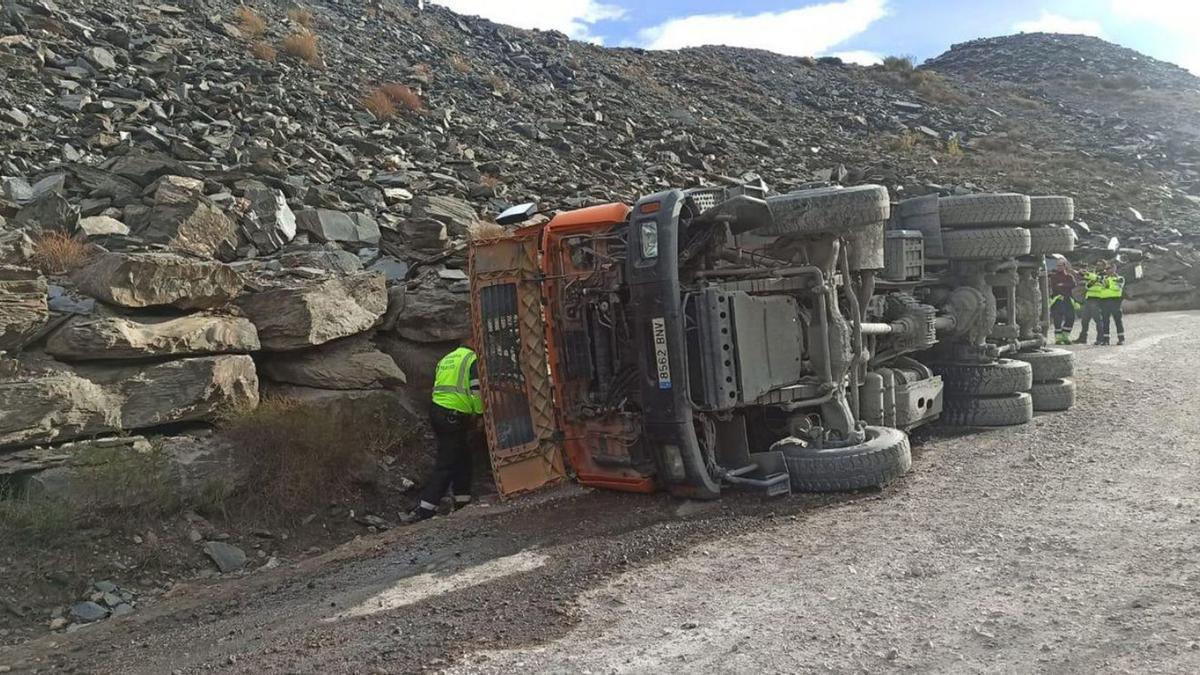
1101	342
461	501
423	511
1120	340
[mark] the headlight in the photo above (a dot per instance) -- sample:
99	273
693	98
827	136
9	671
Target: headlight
650	239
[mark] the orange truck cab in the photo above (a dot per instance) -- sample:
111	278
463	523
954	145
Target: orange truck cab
642	347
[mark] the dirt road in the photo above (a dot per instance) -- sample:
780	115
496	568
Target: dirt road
1069	545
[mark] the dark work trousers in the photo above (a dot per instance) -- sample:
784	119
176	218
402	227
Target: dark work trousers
453	467
1089	313
1110	308
1063	313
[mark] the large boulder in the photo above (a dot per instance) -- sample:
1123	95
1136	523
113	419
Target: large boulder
337	226
119	337
457	214
423	235
326	257
52	212
16	247
370	406
23	307
102	226
145	169
352	363
195	226
313	313
65	404
429	314
267	220
159	278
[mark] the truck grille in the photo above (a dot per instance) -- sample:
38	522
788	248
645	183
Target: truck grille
508	405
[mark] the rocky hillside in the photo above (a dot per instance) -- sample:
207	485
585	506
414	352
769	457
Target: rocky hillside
1049	58
202	202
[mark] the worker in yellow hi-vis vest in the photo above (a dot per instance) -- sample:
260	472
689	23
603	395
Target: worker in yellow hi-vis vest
1093	282
1112	291
457	403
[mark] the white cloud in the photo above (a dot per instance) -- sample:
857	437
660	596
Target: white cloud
1178	20
1166	12
1057	23
573	17
807	31
859	56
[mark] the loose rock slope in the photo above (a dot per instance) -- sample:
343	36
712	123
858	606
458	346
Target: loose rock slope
186	183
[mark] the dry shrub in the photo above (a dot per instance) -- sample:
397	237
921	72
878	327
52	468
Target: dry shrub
301	456
497	83
953	147
57	253
422	71
250	22
404	96
300	16
904	142
303	46
898	64
379	104
481	230
934	87
35	518
460	65
263	51
490	180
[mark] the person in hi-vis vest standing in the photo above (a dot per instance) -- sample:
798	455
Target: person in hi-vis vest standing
457	403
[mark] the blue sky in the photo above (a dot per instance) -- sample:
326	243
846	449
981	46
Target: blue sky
859	30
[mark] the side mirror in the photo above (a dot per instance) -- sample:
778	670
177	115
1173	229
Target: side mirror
517	214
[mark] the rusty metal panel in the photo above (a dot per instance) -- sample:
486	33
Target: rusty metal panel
506	313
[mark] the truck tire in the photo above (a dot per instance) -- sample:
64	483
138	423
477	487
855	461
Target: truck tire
1047	210
987	411
985	244
881	459
1005	376
1004	208
1049	364
1052	239
827	210
1053	395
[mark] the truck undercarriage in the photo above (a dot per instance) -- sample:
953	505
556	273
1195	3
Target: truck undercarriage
721	337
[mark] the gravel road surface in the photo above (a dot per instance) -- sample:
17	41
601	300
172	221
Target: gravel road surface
1071	544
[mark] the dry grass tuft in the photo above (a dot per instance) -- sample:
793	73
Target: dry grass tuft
954	148
490	180
250	22
497	83
35	519
904	142
460	64
263	52
301	456
56	253
423	72
481	230
303	46
300	16
379	104
403	95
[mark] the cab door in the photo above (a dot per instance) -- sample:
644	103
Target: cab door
518	403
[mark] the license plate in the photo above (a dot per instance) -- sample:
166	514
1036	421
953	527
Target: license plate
662	357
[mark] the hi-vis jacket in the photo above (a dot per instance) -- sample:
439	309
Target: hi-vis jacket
456	383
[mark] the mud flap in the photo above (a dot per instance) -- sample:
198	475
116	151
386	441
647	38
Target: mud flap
506	315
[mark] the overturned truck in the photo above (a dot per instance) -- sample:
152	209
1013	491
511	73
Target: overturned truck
711	338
